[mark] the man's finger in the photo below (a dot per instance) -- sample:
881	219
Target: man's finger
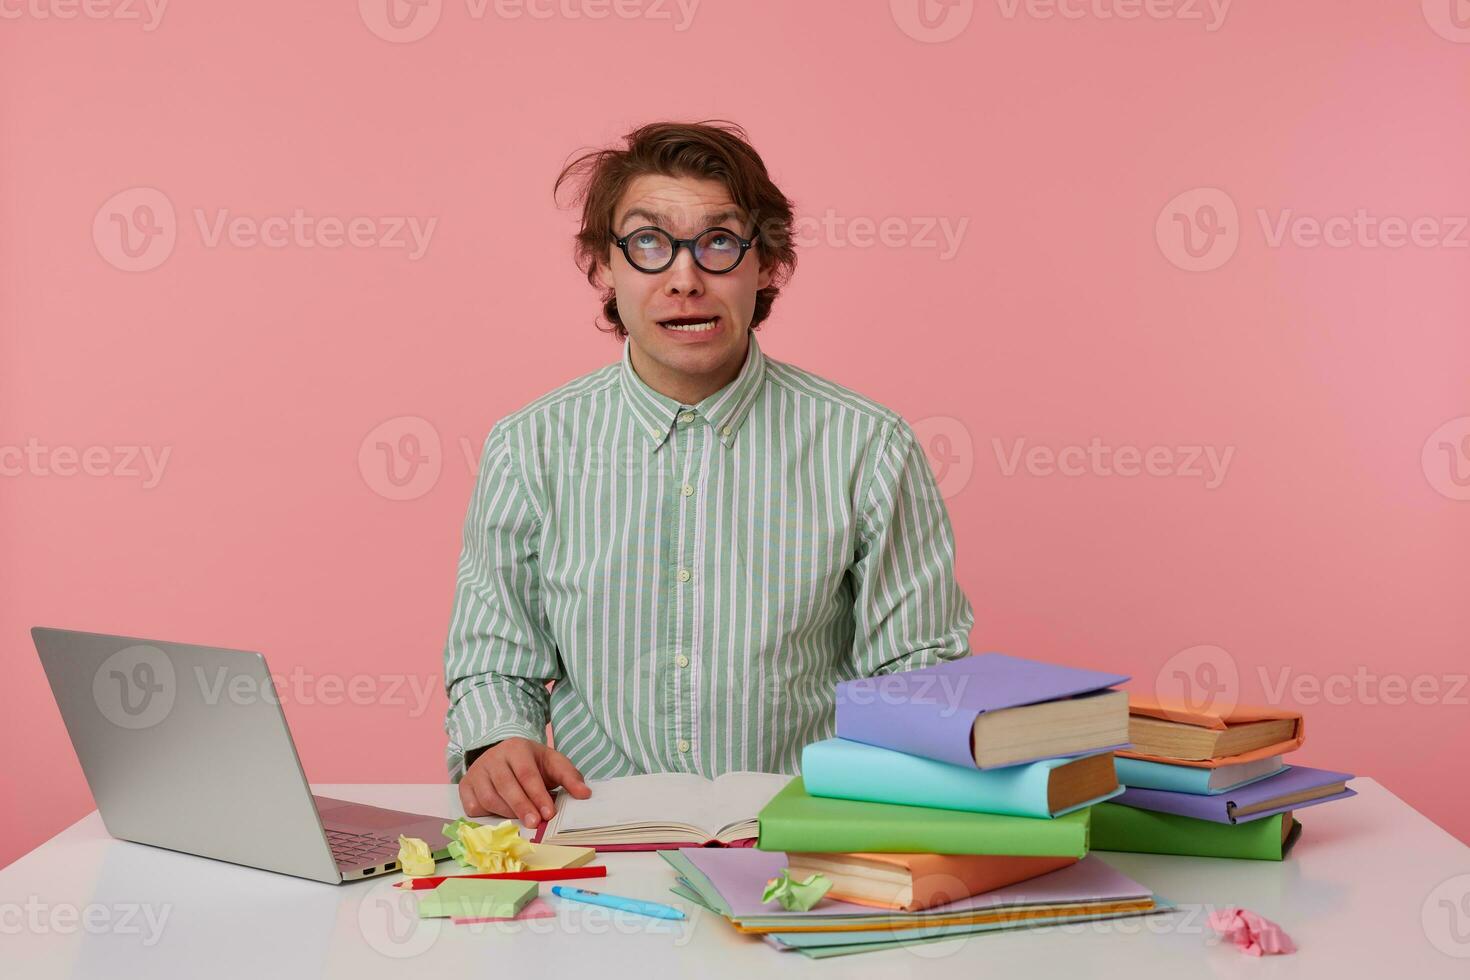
524	766
482	794
561	772
509	788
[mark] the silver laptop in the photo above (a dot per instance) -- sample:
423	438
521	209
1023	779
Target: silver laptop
186	747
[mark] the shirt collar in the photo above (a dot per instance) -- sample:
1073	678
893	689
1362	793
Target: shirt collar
725	410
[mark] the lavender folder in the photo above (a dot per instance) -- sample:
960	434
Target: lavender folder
1221	808
740	875
931	711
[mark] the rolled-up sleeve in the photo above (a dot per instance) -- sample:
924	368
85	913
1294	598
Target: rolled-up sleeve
909	610
500	654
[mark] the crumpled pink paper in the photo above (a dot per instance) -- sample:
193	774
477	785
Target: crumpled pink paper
1252	934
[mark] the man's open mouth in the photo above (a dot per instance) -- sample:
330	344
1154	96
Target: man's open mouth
691	324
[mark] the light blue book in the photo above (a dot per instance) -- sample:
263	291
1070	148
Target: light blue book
1142	774
849	770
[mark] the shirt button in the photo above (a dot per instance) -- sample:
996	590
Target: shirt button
683	661
687	489
725	431
686	417
683	575
683	745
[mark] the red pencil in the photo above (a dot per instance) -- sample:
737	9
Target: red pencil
552	874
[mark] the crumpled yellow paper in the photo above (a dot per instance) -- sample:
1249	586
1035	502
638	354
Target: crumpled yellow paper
489	850
415	857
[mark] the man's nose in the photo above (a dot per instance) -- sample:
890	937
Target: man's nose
684	278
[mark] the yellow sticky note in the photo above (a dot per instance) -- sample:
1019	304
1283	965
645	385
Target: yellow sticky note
549	857
414	857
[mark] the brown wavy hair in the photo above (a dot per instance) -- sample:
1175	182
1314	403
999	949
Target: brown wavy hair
715	149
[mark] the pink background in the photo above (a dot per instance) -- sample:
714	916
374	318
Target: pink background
1334	546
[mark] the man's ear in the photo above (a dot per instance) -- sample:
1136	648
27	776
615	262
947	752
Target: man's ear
603	272
764	279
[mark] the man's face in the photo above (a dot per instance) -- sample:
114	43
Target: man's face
651	305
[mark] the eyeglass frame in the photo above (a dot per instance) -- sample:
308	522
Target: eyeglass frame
745	243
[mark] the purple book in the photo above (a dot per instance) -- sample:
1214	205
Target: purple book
740	877
1222	808
931	711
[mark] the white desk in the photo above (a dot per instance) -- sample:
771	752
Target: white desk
1373	889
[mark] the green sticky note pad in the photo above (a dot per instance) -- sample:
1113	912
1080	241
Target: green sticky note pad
477	898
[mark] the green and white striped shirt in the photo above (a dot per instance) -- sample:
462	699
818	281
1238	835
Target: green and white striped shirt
694	578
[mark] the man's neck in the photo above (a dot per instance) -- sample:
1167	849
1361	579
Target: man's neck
686	389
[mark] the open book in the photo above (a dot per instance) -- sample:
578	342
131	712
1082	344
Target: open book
664	808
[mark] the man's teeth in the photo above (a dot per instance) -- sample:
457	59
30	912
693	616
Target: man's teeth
691	327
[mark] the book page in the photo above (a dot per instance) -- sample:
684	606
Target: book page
659	797
671	798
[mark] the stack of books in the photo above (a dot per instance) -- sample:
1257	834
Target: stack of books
1211	783
965	779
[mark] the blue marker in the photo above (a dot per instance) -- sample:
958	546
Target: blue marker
655	909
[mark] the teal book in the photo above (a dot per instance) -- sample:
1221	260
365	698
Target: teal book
1198	780
795	821
844	769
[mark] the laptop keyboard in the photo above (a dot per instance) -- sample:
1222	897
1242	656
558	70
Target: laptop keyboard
362	849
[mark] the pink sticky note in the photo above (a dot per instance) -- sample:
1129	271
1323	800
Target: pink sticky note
1252	934
535	909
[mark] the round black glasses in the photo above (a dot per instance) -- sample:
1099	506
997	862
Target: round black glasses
651	249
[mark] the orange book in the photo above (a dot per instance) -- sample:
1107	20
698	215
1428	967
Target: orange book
910	882
1202	738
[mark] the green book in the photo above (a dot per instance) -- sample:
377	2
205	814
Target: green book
795	821
477	898
1124	828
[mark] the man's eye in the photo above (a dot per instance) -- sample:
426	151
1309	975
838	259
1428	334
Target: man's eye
646	241
721	241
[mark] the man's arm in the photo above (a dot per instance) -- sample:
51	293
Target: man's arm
500	652
908	609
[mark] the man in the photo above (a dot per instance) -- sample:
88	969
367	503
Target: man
697	542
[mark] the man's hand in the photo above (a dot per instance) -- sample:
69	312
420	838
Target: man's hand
514	778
